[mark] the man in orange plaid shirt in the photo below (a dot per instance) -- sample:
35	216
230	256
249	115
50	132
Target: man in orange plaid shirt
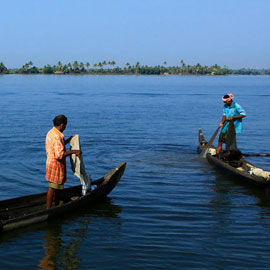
56	159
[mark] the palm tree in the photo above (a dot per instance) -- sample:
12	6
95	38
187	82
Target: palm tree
128	66
87	65
137	67
182	66
59	66
69	66
25	68
75	66
3	69
82	66
164	63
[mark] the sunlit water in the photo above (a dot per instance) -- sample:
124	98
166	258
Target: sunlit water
171	210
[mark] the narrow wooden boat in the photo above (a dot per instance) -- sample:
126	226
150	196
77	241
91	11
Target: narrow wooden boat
244	170
26	210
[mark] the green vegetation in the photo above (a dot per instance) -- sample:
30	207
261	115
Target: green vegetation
3	69
137	69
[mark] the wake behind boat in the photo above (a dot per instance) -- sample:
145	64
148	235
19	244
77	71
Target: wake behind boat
238	167
27	210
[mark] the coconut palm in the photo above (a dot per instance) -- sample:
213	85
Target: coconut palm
3	69
82	66
69	66
137	67
59	66
75	66
25	68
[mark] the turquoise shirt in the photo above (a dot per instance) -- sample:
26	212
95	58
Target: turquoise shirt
234	110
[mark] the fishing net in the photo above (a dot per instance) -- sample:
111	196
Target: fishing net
231	137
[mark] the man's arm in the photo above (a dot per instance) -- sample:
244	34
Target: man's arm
69	139
236	117
241	113
222	121
71	152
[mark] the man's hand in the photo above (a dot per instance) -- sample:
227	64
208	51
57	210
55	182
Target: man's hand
221	124
230	118
77	152
69	139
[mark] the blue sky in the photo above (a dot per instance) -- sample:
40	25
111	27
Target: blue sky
231	32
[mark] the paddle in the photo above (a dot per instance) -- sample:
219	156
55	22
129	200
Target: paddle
204	152
256	155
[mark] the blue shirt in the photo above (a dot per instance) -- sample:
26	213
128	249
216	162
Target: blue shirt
234	110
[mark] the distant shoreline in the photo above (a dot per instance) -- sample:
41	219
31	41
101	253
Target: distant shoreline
108	68
131	74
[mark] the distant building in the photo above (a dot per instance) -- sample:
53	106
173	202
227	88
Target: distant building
58	72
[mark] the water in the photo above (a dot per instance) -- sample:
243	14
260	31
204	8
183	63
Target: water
171	210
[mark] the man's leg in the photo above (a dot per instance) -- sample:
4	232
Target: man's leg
219	148
57	197
50	195
222	139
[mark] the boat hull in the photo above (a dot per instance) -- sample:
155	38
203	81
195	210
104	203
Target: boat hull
241	172
24	211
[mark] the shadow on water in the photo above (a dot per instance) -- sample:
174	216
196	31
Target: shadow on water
231	184
225	184
61	239
104	209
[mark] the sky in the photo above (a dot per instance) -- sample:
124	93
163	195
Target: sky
224	32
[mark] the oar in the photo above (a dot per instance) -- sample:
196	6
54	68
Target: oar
204	152
256	155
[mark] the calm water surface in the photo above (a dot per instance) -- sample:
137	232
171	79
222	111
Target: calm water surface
171	210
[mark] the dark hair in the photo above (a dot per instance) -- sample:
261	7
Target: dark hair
59	119
226	96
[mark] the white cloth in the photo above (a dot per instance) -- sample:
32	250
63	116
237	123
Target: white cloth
77	164
260	172
212	151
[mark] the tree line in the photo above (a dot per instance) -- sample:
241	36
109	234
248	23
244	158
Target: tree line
137	69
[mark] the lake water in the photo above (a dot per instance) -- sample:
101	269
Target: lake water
171	210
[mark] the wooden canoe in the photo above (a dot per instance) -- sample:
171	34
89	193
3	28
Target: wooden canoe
27	210
242	172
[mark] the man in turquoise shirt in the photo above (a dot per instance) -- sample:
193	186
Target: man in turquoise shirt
232	111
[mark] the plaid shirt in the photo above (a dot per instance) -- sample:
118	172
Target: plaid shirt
55	164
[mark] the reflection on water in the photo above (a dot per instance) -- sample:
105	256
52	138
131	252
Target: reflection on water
62	252
229	185
62	247
52	245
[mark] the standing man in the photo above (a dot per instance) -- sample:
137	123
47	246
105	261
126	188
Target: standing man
56	159
232	115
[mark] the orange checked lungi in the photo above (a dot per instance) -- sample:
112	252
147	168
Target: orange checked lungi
56	162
